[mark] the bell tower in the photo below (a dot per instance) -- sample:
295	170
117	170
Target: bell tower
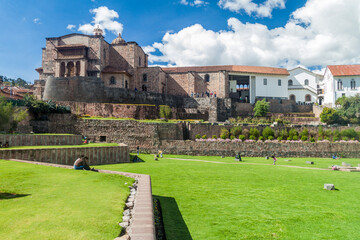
98	31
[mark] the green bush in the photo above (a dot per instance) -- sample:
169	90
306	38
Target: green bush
232	137
304	138
197	136
279	138
312	139
329	116
336	139
214	137
204	136
349	133
224	133
293	133
295	138
305	132
242	137
10	116
267	132
289	138
320	139
254	132
252	137
165	112
345	138
321	132
261	138
284	133
261	108
236	131
271	138
245	132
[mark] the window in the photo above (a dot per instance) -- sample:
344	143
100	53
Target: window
353	84
265	81
126	84
339	85
290	82
207	78
145	77
292	97
144	88
307	98
102	138
279	82
112	80
306	82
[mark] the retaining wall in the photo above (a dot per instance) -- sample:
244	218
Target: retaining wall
67	156
40	140
255	149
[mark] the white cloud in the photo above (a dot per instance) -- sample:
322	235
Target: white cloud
71	27
104	18
37	21
316	35
195	3
260	10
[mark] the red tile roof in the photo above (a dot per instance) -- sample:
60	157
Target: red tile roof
344	70
231	68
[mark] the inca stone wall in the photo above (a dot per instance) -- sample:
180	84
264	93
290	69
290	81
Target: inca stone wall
67	156
40	140
255	149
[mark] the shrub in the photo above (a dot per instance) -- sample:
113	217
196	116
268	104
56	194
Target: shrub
293	133
279	121
232	120
305	132
321	132
204	136
252	137
261	108
165	112
284	133
279	138
289	138
349	133
295	138
271	138
245	132
242	137
328	133
329	116
267	132
345	138
336	139
254	132
214	137
236	131
197	136
261	138
304	138
232	137
312	139
320	139
224	133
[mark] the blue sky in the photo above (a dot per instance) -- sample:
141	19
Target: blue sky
275	33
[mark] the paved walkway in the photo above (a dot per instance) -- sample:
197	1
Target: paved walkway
263	164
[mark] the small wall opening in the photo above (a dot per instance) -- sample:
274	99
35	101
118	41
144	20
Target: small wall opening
102	138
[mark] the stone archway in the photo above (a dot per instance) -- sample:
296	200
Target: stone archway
78	68
70	69
62	69
292	98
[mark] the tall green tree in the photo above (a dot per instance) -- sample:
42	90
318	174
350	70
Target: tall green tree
261	108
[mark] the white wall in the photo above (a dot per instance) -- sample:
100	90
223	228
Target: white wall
271	89
299	89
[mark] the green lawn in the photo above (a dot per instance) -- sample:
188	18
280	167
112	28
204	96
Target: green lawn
202	200
40	202
64	146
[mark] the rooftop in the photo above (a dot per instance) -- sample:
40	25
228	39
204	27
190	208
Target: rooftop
344	70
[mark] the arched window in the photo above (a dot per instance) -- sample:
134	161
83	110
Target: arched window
306	82
70	69
207	78
78	68
112	80
290	82
241	86
339	85
62	69
126	84
145	78
292	98
353	84
307	98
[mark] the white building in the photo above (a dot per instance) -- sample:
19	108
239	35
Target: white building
340	80
302	85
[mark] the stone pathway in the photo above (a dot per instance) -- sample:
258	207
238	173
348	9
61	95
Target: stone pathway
263	164
143	224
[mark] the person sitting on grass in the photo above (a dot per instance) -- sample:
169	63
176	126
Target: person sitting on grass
81	164
238	157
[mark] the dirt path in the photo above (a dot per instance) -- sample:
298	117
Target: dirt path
262	164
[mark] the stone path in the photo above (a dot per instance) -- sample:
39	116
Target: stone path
263	164
143	224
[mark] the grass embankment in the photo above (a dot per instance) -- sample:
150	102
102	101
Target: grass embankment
64	146
203	200
55	203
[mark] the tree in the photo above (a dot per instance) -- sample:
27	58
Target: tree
261	108
236	131
165	112
330	116
268	132
10	116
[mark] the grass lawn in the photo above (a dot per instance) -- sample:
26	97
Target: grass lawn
40	202
64	146
252	200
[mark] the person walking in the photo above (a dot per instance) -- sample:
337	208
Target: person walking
274	158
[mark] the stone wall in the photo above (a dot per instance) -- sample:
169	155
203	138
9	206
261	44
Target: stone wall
320	150
67	156
40	140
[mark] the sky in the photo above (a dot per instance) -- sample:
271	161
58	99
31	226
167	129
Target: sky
275	33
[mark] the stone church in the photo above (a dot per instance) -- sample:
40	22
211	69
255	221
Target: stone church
78	67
